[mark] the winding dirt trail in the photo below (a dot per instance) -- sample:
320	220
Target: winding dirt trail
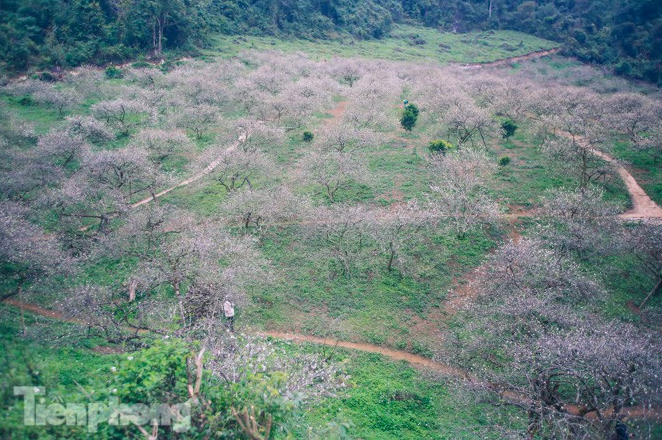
195	177
336	113
414	360
506	61
397	355
643	207
58	316
37	310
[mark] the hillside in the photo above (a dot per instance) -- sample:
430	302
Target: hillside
47	34
478	263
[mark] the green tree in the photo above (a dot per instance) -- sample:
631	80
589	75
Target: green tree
508	127
409	117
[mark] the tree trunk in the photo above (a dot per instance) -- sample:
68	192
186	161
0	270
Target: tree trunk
389	267
655	290
132	290
20	290
180	300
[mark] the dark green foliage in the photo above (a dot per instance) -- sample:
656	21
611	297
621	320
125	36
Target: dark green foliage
504	160
113	72
508	127
413	109
48	33
58	33
408	120
409	117
308	136
439	146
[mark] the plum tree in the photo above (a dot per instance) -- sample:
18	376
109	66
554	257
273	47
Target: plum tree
344	139
333	171
161	144
123	114
61	147
395	228
262	208
89	128
61	100
457	193
29	253
199	118
561	365
342	228
190	263
587	222
235	168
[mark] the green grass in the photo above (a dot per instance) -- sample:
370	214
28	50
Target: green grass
41	117
527	178
444	47
391	400
381	400
371	305
646	170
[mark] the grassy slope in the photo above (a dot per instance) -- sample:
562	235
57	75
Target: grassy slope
365	307
474	47
382	400
644	168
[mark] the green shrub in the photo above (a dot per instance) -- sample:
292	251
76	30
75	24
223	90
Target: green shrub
412	108
46	77
113	72
504	160
308	136
409	117
439	146
508	128
26	100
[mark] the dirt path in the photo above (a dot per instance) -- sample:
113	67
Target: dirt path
195	177
41	311
58	316
506	61
370	348
336	113
414	360
636	412
643	207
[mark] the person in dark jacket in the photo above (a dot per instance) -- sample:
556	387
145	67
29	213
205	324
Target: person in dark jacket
621	430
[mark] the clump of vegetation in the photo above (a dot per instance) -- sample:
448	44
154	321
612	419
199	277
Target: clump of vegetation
504	160
308	136
409	117
439	146
113	72
508	127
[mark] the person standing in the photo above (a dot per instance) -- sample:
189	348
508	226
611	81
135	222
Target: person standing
622	431
228	311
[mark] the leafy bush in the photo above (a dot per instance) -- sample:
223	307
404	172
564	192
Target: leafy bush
47	77
412	108
508	128
26	100
308	136
113	72
504	160
439	146
409	117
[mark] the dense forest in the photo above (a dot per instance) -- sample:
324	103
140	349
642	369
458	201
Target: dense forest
625	35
